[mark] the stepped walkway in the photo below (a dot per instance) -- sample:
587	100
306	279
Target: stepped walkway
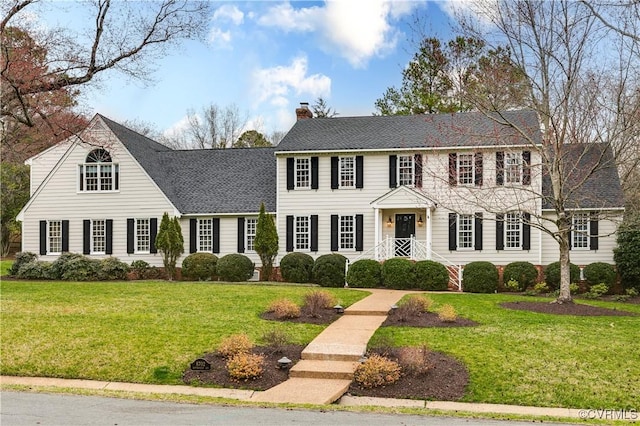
326	368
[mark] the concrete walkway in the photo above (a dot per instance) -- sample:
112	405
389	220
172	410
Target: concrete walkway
327	364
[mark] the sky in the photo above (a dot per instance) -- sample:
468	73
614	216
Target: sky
266	57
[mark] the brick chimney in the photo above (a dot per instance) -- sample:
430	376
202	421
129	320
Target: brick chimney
303	112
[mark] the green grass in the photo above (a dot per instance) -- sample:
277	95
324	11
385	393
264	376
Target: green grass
5	265
526	358
146	332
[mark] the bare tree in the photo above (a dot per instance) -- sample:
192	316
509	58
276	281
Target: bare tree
322	110
213	128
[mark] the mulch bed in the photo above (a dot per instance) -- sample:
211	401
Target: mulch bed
565	309
323	316
426	319
271	375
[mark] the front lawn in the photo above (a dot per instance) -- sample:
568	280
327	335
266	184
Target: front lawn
5	265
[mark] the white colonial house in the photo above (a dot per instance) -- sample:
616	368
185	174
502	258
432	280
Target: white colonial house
452	187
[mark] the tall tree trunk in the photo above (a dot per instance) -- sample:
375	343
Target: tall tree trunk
565	261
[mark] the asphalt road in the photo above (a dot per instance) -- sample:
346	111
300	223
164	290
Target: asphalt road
22	408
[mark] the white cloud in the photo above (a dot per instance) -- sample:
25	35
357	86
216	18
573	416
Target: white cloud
219	37
228	13
177	128
482	11
355	30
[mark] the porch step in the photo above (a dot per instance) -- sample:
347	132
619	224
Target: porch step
324	369
333	352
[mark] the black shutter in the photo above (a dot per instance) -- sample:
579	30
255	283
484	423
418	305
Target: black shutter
314	172
109	239
478	231
43	237
153	233
526	231
289	233
86	236
291	165
526	168
499	168
216	235
417	170
241	235
334	232
453	169
314	232
81	178
359	232
65	236
453	232
477	158
117	177
359	171
335	161
393	181
499	232
593	231
193	235
130	235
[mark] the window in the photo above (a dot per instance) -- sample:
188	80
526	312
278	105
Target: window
465	231
465	169
205	235
347	232
54	237
405	170
513	167
513	230
251	225
143	236
303	173
347	172
99	173
302	231
580	234
98	236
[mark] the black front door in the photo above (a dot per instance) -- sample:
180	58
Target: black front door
405	229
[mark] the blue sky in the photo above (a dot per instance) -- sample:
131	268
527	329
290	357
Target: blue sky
267	56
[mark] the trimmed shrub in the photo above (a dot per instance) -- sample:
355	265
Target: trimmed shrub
431	275
627	253
35	270
317	300
199	266
276	339
447	313
480	277
235	267
296	267
235	344
328	270
75	267
22	258
552	274
412	306
245	366
140	268
112	268
600	272
284	309
415	361
525	273
377	371
365	273
596	291
399	273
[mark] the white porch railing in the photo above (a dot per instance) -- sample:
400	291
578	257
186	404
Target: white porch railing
412	249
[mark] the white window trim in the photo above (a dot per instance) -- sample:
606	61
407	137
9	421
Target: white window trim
297	161
520	166
506	228
352	233
353	172
247	235
295	234
413	171
473	232
136	240
49	251
82	182
585	233
93	236
459	169
198	236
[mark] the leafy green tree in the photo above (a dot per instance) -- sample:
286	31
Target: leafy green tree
14	195
170	242
322	110
266	242
251	139
627	254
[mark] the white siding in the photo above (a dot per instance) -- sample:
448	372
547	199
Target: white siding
44	162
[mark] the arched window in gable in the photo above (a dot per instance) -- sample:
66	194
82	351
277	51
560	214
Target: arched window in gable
99	173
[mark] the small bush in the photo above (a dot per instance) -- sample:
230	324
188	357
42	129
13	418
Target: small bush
22	258
284	309
621	298
480	277
317	300
140	268
199	266
574	288
235	344
631	292
377	371
75	267
540	288
600	272
414	361
365	273
35	270
296	267
245	366
431	275
399	273
113	269
597	291
447	313
412	306
276	340
512	285
328	270
525	273
235	267
552	274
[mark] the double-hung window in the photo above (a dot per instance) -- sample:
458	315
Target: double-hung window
580	234
251	226
143	236
205	235
303	172
465	231
98	236
465	169
302	233
99	173
347	233
405	170
513	230
54	237
347	172
513	167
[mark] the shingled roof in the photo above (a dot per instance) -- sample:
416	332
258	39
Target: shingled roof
206	180
466	129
